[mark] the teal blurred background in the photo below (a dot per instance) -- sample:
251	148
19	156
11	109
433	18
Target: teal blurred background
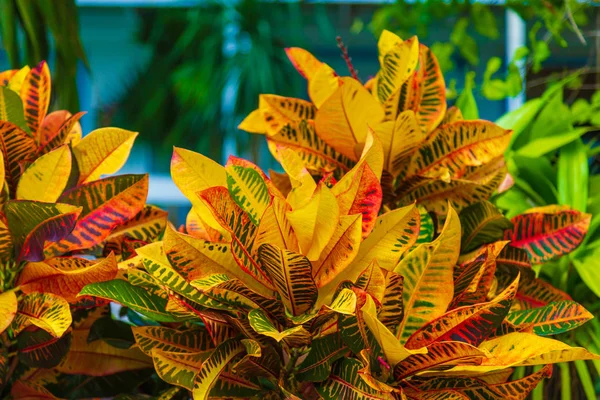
185	72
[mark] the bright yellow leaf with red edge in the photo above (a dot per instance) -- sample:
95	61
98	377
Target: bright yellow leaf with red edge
304	62
44	310
103	152
339	251
98	358
315	222
345	118
8	309
67	282
47	177
323	85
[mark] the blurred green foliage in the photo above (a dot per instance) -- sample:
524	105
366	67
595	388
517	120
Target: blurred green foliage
208	66
51	33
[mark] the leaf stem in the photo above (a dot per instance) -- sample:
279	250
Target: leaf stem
347	58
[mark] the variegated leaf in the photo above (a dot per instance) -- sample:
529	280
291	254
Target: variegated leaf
249	190
68	132
172	340
16	146
46	178
44	310
178	368
294	337
214	365
481	223
551	319
324	351
8	309
292	276
35	93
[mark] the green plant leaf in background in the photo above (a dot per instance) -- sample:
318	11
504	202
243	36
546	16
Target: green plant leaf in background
573	175
466	101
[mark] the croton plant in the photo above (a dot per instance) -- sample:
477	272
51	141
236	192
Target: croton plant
62	227
372	268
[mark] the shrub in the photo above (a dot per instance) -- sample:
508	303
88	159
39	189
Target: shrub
62	227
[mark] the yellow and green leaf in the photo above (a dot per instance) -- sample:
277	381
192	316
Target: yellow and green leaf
8	309
213	366
249	190
35	93
551	319
46	178
44	310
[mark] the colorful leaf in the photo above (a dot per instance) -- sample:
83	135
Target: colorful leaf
397	64
438	355
44	310
428	278
11	108
304	62
16	146
39	349
249	190
394	233
343	119
46	178
324	351
8	309
165	339
32	224
68	132
213	367
469	324
291	274
538	293
35	92
107	204
323	84
102	152
547	233
481	223
294	337
275	228
178	368
551	319
44	277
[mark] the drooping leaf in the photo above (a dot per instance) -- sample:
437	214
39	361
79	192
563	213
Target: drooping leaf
47	278
35	93
291	274
39	349
44	310
46	178
134	297
102	152
262	324
481	223
551	319
428	278
548	232
107	204
32	224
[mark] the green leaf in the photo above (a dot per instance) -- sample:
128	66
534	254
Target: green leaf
324	351
573	175
464	42
481	223
11	108
39	349
466	101
485	21
588	268
544	145
249	190
519	119
172	340
134	297
263	325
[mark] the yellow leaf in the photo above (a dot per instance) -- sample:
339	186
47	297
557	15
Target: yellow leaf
192	172
65	282
344	118
254	123
303	184
397	65
387	41
322	85
339	251
372	153
275	228
394	233
277	111
16	82
98	358
103	151
315	222
8	309
306	64
401	143
47	177
44	310
428	278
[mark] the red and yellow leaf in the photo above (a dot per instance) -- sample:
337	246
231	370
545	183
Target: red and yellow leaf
35	93
44	310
